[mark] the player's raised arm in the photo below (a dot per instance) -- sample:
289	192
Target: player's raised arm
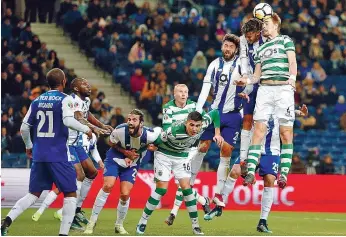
94	121
94	152
243	55
214	117
208	78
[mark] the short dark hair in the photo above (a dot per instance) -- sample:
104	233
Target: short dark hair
75	82
252	25
55	77
138	112
231	38
195	116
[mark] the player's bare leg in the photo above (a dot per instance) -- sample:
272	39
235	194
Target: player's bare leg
222	172
50	198
90	174
21	205
123	206
255	151
102	196
266	203
245	141
153	201
286	135
228	188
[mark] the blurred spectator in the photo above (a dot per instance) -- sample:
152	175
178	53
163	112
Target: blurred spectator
5	123
320	120
298	166
53	58
326	166
307	122
337	62
131	8
315	50
332	96
199	61
96	107
18	145
137	81
119	116
105	119
94	10
137	52
340	107
5	141
148	93
173	76
318	73
343	122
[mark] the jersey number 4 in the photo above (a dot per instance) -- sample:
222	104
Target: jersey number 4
41	116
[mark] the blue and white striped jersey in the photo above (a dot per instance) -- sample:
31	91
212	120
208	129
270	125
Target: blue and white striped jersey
222	75
247	52
121	136
271	143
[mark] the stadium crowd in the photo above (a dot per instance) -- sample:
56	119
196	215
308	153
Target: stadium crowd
149	50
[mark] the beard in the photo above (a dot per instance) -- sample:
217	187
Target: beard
228	56
135	130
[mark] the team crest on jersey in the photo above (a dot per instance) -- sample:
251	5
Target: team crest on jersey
165	117
160	173
76	104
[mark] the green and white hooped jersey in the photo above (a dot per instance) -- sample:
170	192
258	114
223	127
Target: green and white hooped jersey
176	143
272	55
172	113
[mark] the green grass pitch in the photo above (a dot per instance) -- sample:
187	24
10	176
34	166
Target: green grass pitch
230	223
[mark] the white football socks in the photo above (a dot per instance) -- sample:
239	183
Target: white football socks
245	141
50	198
222	173
228	188
123	207
68	212
21	205
196	163
99	204
86	185
267	201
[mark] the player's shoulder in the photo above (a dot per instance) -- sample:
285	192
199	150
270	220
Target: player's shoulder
286	38
87	100
190	102
243	39
169	104
121	126
215	62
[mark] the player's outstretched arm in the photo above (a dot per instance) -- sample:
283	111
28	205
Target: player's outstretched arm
206	87
93	120
97	130
215	119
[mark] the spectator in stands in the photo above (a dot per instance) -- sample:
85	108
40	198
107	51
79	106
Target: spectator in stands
5	123
17	86
131	8
96	107
137	81
307	122
320	120
318	73
137	52
199	61
18	145
105	118
119	116
326	166
53	58
173	76
298	166
177	51
26	34
5	141
94	10
148	93
337	62
162	51
340	107
98	41
315	50
24	100
6	29
5	84
202	28
113	121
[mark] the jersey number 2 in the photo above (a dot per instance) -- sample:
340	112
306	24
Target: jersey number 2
42	117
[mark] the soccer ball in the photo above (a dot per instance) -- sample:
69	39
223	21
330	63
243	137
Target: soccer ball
262	11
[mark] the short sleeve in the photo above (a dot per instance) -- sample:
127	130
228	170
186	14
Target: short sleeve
257	58
68	107
152	136
114	137
30	115
288	44
209	76
166	118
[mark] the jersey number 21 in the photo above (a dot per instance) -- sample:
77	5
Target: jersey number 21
42	116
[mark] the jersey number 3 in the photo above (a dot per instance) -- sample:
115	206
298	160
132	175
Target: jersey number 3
42	117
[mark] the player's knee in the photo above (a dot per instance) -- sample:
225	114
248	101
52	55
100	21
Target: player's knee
204	146
247	122
286	134
124	197
226	150
107	187
269	180
235	172
92	175
80	176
